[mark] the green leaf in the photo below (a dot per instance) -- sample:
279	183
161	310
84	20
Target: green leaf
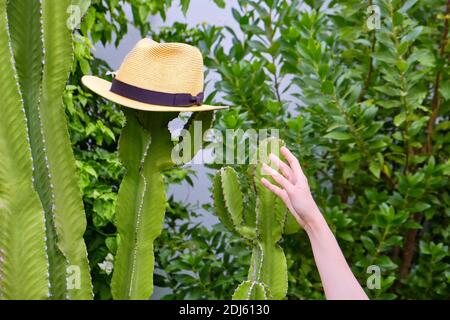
184	6
351	156
399	119
220	3
402	65
413	34
384	56
338	135
411	224
327	87
375	169
144	11
274	106
407	5
420	207
386	263
368	243
424	56
445	90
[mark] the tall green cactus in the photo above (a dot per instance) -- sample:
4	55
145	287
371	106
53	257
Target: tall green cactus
23	259
263	226
145	149
41	45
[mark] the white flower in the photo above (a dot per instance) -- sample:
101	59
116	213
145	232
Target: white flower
108	264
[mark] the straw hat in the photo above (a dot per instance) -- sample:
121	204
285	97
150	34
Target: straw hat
154	76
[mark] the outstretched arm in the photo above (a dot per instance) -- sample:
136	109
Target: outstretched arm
337	278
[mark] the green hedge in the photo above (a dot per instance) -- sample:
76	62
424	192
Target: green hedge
366	111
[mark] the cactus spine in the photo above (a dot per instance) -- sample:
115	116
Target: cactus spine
262	226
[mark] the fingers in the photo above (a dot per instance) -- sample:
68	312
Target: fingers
283	195
284	168
282	181
293	162
277	190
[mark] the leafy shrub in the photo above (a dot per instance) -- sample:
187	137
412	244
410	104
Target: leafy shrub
366	112
195	262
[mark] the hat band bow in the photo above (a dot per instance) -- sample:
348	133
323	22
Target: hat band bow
154	97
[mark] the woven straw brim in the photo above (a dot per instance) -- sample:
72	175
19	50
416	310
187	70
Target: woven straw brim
102	87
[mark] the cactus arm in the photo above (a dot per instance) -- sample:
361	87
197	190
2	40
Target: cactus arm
268	266
23	259
145	148
250	201
156	161
270	212
267	278
272	271
54	174
232	195
249	290
219	203
26	38
270	216
152	219
230	200
133	144
162	145
243	291
67	205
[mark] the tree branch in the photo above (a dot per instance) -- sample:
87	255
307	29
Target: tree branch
411	235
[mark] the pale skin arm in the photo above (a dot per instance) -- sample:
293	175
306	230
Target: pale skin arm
338	281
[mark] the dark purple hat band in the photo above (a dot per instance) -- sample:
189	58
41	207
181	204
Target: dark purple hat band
154	97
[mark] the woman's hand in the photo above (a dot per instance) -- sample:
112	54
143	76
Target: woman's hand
293	188
337	278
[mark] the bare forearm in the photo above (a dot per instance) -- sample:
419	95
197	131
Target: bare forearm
337	278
